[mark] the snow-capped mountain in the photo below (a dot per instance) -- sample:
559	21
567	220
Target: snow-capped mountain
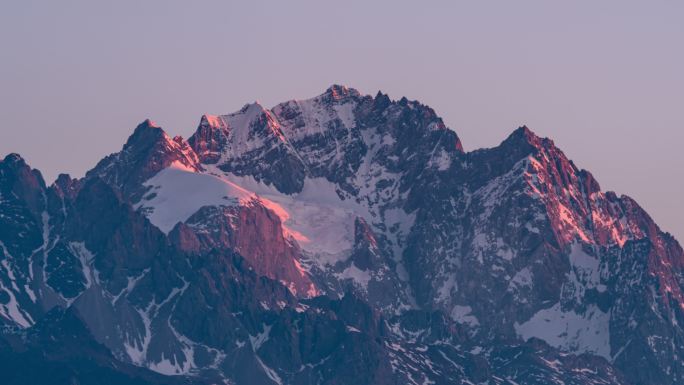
340	239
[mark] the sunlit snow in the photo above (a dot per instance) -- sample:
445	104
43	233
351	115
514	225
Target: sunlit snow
177	192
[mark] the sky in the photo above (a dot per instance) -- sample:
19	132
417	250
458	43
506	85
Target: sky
603	79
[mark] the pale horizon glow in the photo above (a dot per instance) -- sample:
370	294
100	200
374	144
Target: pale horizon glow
604	80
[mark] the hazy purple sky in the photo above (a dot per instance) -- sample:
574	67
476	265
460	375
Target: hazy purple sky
604	79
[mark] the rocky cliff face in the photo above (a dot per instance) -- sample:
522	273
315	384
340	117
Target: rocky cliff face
340	239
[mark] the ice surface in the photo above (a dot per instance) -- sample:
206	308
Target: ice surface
177	192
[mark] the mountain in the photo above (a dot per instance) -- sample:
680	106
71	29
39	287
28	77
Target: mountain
341	239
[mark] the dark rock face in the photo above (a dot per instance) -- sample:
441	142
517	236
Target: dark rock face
60	350
254	232
336	240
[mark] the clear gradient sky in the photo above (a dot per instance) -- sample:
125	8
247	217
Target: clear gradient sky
604	79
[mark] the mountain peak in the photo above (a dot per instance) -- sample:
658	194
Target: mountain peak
212	121
151	123
148	150
523	141
524	134
337	92
145	132
253	108
13	158
16	165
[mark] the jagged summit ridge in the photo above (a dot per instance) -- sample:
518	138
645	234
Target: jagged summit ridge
302	131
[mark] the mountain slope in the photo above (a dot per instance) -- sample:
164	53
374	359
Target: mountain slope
343	239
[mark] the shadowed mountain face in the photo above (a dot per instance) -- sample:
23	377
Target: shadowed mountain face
335	240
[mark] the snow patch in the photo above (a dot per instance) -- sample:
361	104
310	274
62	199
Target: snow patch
259	339
178	191
441	161
168	367
345	112
86	258
269	372
449	286
463	314
132	282
522	278
585	266
11	310
136	348
361	277
586	332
